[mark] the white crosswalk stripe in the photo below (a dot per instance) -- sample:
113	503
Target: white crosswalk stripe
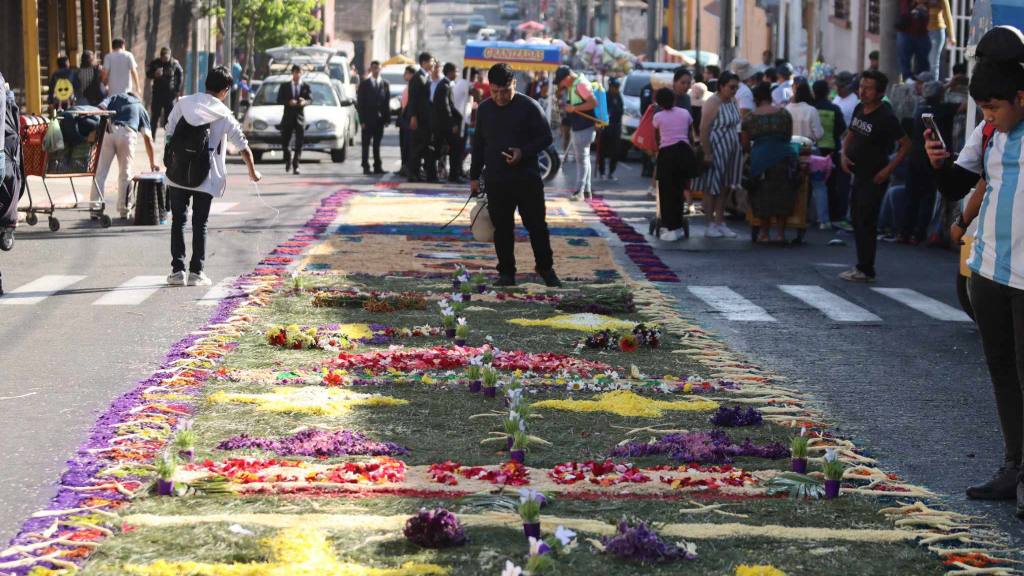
925	304
38	290
220	291
733	306
829	304
132	292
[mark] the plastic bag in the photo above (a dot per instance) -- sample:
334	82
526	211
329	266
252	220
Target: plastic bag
54	139
480	218
643	138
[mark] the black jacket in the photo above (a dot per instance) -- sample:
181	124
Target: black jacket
284	96
169	84
374	105
446	115
419	99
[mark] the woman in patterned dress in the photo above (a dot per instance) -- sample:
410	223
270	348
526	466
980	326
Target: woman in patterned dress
723	155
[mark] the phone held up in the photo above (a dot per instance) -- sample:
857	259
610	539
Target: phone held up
929	123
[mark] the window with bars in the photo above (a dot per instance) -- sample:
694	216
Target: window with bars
874	16
841	9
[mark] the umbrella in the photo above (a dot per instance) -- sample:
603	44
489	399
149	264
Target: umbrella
399	59
531	26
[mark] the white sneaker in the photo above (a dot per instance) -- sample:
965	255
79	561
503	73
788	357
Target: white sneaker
576	196
671	235
725	231
176	279
825	226
200	279
712	231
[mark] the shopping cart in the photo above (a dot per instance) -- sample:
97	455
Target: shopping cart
76	161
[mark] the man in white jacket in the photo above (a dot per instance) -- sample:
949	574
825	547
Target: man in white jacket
197	110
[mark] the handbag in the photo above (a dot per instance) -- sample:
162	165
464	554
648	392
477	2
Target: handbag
480	222
643	138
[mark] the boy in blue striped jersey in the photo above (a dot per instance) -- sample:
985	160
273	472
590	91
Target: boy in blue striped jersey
994	154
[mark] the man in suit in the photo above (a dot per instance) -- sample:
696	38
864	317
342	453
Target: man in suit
418	112
373	101
294	96
447	121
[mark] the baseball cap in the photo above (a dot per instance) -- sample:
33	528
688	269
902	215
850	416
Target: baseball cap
562	73
844	78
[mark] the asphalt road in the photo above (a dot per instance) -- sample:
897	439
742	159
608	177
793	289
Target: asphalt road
67	354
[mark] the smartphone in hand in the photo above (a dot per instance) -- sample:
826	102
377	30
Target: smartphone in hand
929	123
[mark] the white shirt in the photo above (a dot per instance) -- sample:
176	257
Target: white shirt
847	105
200	109
783	93
998	249
745	97
119	65
806	121
433	88
460	94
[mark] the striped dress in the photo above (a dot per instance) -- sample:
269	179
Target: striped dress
726	155
998	249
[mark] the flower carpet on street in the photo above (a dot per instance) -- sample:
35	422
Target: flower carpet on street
367	403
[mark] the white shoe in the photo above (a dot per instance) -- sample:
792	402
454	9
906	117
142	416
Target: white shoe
651	195
176	279
825	226
576	196
712	231
200	279
671	235
725	231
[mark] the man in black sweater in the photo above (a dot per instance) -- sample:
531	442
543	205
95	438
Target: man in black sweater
166	74
511	131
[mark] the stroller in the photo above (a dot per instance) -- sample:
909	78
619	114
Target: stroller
12	180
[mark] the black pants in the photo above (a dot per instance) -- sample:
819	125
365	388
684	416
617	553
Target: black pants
920	203
608	148
865	203
372	133
160	108
839	195
453	143
503	198
403	142
999	314
422	153
289	127
675	163
180	200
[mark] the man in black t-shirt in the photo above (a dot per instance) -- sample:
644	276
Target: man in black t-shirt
166	74
866	155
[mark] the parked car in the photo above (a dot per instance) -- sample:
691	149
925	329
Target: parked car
475	23
631	88
509	9
395	76
329	118
487	34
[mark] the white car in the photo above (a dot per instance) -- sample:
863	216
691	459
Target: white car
395	76
328	118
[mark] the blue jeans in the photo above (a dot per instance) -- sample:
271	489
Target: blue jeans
913	49
819	191
937	39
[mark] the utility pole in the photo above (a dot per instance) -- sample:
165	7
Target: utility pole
195	46
613	19
696	42
726	32
652	29
229	39
888	62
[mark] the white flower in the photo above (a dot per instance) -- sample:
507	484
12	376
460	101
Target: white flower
462	320
564	535
489	338
831	454
515	395
803	430
511	569
528	495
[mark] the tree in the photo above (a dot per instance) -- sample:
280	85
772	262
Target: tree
269	23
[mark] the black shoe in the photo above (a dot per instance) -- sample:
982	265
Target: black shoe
402	172
366	170
378	170
505	280
296	170
433	180
550	278
6	238
457	180
1002	486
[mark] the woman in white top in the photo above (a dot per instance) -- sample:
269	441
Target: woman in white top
806	121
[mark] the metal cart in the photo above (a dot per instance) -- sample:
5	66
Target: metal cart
78	161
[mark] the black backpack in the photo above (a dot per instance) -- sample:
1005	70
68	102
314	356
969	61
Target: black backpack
187	155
